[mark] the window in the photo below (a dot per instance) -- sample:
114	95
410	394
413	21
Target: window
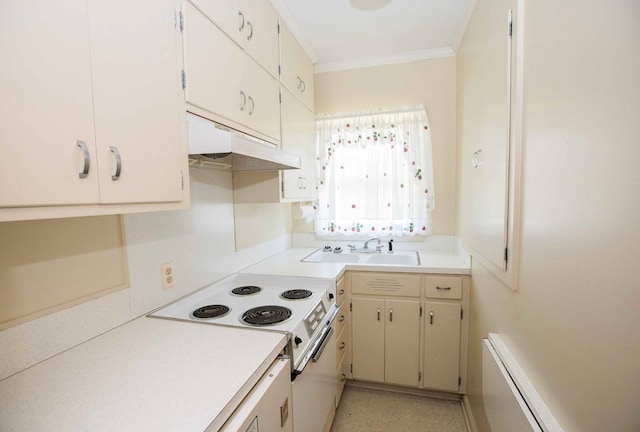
375	174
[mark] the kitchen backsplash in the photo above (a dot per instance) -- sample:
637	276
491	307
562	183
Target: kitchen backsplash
201	244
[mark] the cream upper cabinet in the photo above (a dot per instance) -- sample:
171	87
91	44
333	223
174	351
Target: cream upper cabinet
252	24
46	113
136	95
90	113
298	137
296	69
226	85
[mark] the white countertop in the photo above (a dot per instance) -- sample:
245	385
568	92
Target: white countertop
288	263
162	375
147	375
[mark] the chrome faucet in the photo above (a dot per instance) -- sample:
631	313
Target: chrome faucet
366	244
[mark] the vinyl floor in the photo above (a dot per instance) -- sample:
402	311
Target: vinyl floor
382	411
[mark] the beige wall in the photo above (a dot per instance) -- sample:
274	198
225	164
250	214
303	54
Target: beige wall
574	323
428	82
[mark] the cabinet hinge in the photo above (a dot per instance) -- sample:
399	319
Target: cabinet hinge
419	376
506	254
421	310
278	28
181	21
351	367
350	307
280	73
459	381
510	24
461	313
184	80
181	180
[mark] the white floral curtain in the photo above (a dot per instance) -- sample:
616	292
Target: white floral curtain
375	174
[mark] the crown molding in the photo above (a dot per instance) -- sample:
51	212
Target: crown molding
404	57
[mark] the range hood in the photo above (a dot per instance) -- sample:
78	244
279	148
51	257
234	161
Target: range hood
215	145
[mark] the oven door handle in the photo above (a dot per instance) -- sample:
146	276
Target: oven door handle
323	343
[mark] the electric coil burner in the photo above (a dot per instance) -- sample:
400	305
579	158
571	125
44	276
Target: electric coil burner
246	290
211	311
296	294
266	315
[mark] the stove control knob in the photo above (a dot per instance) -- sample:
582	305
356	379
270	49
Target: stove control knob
297	341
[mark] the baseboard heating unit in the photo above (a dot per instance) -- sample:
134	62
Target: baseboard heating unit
511	402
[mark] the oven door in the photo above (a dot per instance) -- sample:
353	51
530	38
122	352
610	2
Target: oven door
314	388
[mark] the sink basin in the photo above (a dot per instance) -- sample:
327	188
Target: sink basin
406	258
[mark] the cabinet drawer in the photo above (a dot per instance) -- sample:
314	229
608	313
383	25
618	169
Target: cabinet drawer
341	345
341	291
402	285
341	319
448	287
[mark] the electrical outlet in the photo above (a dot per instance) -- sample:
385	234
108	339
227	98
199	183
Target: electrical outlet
166	273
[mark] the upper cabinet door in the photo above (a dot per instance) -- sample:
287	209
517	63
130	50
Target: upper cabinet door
298	137
136	90
485	119
252	24
296	71
46	105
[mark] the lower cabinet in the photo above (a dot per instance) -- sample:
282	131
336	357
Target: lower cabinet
409	329
343	329
386	340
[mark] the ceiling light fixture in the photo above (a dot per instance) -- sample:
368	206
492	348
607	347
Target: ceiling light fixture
369	5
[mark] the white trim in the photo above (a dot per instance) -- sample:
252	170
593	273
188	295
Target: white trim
467	412
404	57
462	25
289	20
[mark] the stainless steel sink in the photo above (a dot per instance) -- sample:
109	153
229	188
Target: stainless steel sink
406	258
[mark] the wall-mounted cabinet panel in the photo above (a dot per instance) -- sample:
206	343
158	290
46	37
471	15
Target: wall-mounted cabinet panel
296	69
136	100
89	93
223	81
46	105
252	24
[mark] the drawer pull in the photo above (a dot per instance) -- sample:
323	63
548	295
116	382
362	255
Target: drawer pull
241	15
341	319
443	288
342	345
343	377
341	292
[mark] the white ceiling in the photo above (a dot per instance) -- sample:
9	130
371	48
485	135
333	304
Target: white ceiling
338	36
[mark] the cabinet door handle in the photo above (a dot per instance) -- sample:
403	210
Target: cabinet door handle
342	345
116	153
343	377
299	85
341	292
85	157
253	105
304	87
431	317
241	15
443	288
390	315
244	100
378	314
250	30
